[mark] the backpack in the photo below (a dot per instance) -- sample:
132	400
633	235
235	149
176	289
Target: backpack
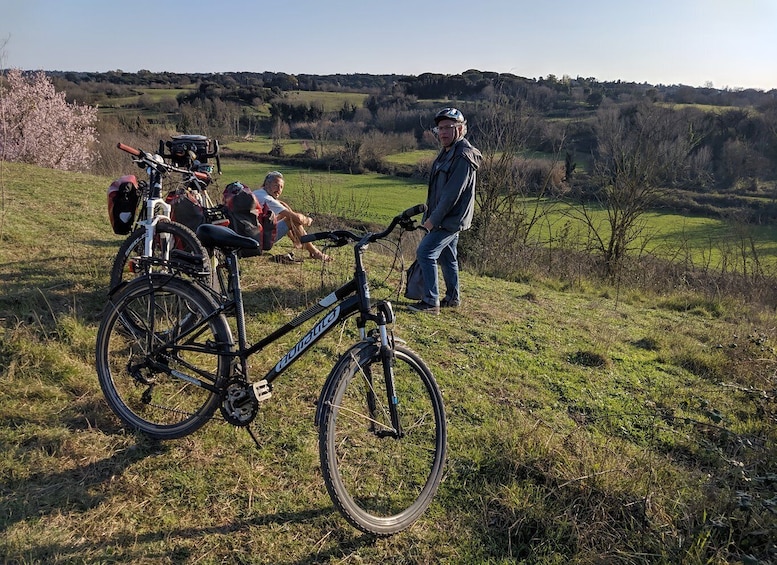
249	218
123	198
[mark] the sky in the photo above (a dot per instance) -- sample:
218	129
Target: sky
721	43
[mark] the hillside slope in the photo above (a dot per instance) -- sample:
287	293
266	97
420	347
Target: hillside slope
584	426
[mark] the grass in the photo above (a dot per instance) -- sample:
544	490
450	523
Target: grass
368	197
330	101
695	240
581	429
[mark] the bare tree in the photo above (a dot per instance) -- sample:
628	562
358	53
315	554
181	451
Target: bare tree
513	190
642	150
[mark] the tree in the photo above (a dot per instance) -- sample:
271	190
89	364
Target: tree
514	193
38	126
641	150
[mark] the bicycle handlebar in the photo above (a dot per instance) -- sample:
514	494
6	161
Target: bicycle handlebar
342	237
147	159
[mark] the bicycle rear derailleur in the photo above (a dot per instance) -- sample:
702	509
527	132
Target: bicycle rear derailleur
240	400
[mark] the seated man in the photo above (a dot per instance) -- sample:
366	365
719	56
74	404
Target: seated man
290	223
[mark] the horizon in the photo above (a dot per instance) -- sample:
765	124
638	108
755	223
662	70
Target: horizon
728	44
537	79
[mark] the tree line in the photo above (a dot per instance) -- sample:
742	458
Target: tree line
736	150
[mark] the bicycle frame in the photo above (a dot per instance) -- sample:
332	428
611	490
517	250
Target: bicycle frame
154	202
351	298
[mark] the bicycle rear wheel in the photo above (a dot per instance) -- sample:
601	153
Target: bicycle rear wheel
379	482
171	240
154	378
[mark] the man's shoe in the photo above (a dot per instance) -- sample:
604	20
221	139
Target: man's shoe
449	303
424	308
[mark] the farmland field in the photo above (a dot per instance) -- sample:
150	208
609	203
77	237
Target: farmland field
330	101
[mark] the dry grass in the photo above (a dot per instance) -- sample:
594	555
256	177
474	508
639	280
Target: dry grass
585	426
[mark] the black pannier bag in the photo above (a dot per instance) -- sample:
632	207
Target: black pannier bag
414	287
249	218
123	198
183	150
186	209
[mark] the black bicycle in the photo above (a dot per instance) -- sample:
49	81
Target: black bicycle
166	361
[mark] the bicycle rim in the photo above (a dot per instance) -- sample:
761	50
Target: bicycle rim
152	387
169	236
382	485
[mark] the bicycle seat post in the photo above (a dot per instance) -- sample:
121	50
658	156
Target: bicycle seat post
233	268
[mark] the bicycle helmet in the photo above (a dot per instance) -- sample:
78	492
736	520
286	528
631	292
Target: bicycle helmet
449	114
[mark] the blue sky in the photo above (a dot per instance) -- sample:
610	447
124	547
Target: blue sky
728	43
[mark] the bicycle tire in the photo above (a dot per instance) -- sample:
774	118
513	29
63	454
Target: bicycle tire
382	485
153	388
184	241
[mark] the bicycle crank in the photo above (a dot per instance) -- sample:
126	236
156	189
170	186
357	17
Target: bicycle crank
239	405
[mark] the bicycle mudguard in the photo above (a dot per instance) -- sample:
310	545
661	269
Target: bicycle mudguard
353	352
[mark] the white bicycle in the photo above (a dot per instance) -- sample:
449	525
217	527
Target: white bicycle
155	235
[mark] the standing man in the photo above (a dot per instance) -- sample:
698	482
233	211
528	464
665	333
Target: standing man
450	205
290	223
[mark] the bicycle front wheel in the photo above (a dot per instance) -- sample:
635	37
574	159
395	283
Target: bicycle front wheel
160	362
171	240
382	481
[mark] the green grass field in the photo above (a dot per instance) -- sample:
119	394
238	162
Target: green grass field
330	101
583	428
372	197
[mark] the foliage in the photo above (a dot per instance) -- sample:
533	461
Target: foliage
39	126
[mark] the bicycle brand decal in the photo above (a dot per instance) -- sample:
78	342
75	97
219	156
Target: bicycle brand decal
317	331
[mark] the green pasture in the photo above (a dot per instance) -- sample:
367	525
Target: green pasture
370	197
330	101
412	157
692	240
153	95
263	145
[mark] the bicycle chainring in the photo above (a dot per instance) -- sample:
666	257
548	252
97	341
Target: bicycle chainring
239	405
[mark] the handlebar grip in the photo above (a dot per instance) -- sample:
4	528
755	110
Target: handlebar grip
202	176
215	151
414	211
128	149
307	238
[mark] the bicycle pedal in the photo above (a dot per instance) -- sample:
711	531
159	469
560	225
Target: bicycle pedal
262	390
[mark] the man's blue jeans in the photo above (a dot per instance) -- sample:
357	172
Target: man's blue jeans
439	247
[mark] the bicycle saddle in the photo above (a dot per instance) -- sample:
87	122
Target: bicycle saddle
222	237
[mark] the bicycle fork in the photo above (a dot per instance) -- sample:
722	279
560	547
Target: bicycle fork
386	316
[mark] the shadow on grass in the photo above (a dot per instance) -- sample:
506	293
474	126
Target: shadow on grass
68	491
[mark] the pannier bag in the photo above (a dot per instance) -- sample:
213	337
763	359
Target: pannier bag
186	209
249	218
185	149
414	287
123	197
